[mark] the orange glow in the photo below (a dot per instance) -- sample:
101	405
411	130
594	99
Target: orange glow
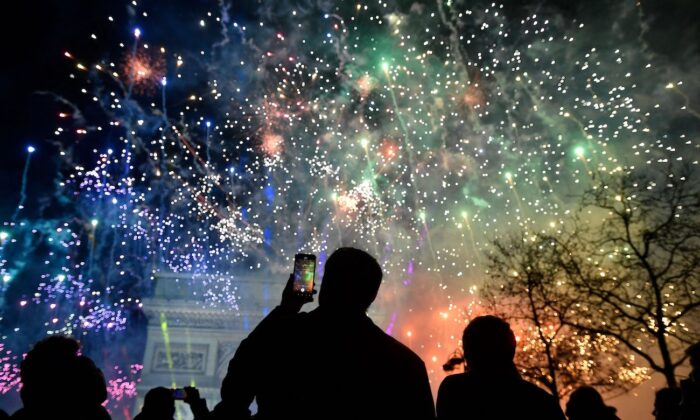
365	85
144	71
272	144
474	96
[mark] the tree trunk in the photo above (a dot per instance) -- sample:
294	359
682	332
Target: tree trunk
668	369
551	365
670	378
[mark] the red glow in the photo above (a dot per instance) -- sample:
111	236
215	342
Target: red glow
389	150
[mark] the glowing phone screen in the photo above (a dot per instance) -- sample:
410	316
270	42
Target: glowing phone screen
304	271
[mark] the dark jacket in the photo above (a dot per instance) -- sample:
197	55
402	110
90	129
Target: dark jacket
324	365
494	396
690	403
97	413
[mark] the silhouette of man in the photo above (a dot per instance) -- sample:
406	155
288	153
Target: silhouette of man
158	404
667	404
330	363
491	387
58	382
586	403
690	387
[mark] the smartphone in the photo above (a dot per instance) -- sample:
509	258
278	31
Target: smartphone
304	273
179	394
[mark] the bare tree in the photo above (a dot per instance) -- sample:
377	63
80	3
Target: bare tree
528	288
632	261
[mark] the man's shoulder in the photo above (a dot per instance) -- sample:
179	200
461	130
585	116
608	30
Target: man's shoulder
687	382
394	346
20	414
456	380
532	390
531	394
522	387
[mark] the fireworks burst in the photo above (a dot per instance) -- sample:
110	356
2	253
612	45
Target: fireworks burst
144	71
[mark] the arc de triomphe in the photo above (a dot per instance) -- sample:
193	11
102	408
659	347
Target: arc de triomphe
191	338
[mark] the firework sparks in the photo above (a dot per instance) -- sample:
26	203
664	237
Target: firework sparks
398	131
144	71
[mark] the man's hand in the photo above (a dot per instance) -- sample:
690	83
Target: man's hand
197	404
191	395
292	301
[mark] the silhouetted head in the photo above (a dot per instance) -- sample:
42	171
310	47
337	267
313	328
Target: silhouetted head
351	280
693	353
586	403
56	376
488	342
91	385
667	404
159	404
45	370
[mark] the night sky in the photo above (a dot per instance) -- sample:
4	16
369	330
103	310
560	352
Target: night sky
37	33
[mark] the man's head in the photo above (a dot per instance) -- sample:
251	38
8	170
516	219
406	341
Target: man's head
693	353
351	280
488	341
667	404
586	403
54	373
47	365
159	403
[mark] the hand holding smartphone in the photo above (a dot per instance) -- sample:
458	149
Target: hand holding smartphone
304	275
179	394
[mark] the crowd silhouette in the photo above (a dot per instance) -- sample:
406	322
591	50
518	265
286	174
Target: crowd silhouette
334	362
